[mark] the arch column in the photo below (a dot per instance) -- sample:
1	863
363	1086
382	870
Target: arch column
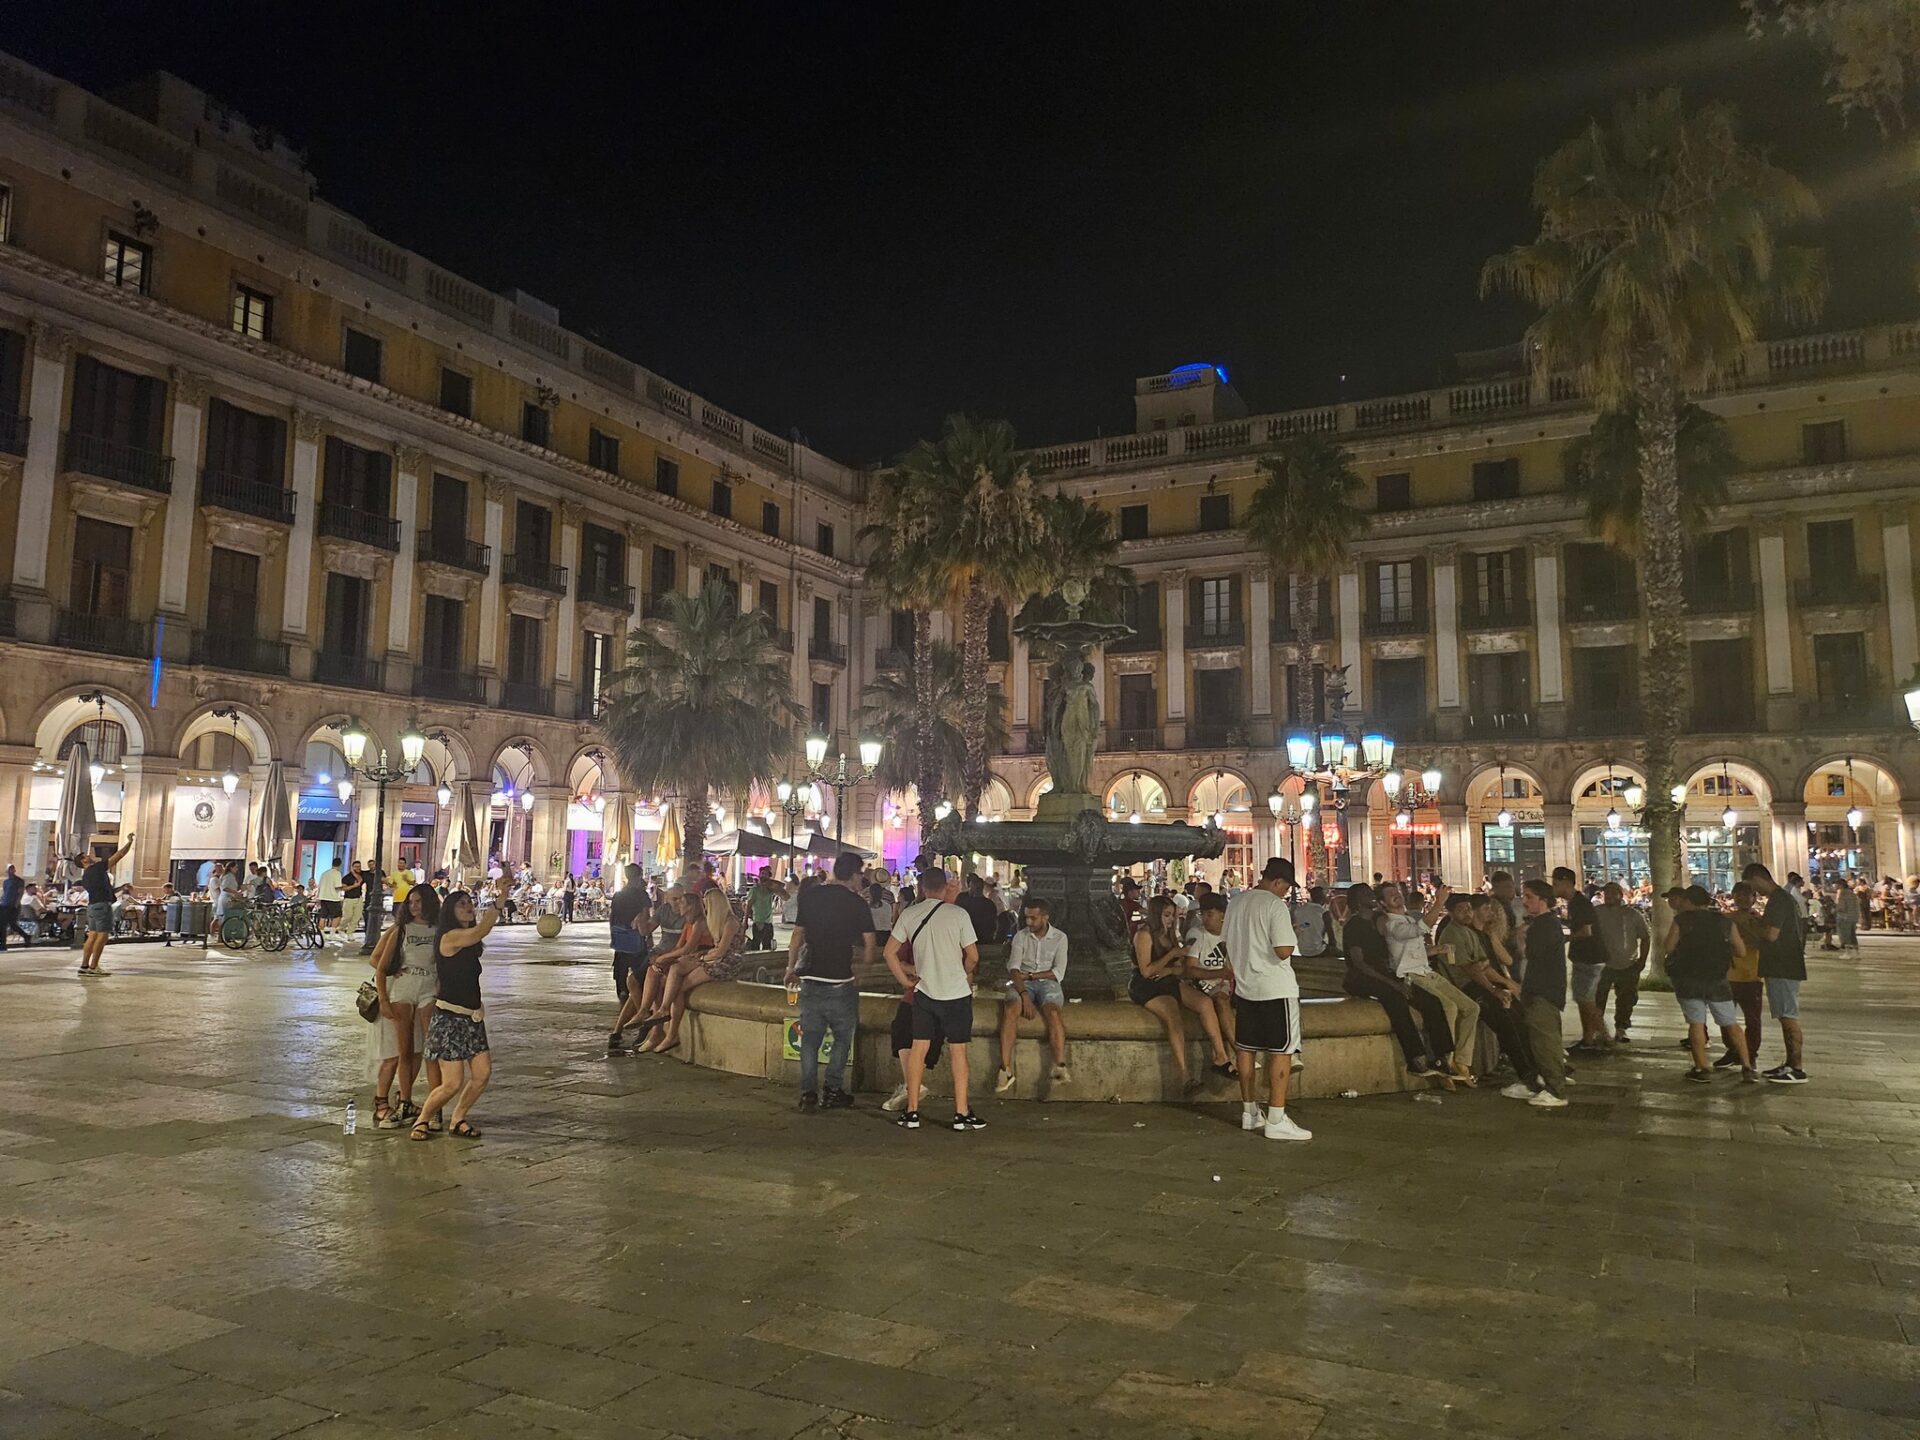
1909	838
1459	856
146	808
549	828
1563	846
16	798
1788	833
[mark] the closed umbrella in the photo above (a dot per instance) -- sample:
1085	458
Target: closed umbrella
74	830
466	845
276	824
620	831
667	848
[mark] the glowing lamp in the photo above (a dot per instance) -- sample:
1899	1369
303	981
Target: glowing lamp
1728	817
229	782
1679	793
1350	755
1856	817
526	800
1133	818
1430	779
1634	796
1374	748
784	790
599	804
816	749
870	751
344	790
96	772
943	809
1276	802
1613	819
1504	819
444	796
1391	783
1912	698
412	746
1333	744
1299	749
323	779
1404	819
1219	819
353	740
1309	799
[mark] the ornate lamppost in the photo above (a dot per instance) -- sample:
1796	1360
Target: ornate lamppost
842	777
380	774
794	800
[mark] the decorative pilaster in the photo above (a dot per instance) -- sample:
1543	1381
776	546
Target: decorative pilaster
1174	588
1446	629
1896	548
496	524
1260	669
409	462
566	634
308	428
1776	628
177	550
1349	632
46	404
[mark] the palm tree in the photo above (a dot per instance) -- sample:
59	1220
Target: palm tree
1656	265
703	704
1603	471
966	507
1304	522
902	573
892	712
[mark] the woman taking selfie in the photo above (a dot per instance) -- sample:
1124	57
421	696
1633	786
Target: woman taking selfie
457	1033
407	978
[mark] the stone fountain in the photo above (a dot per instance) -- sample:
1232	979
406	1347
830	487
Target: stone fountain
1071	846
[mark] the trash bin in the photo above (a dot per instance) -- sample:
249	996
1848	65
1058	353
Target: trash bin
176	919
195	917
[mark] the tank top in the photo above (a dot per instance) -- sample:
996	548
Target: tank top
416	950
460	976
1698	966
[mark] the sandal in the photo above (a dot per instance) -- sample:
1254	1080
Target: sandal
465	1131
420	1132
381	1110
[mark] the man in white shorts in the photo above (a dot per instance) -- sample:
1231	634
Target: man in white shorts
1266	997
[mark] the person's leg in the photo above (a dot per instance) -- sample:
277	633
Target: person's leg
1223	1012
1399	1016
1463	1017
1749	994
1697	1043
1510	1033
1167	1011
1009	1031
1736	1039
479	1072
1056	1025
1626	994
408	1060
913	1062
453	1079
957	1060
1546	1041
843	1024
1795	1040
1592	1027
1279	1073
383	1088
1201	1005
687	983
1435	1021
813	1022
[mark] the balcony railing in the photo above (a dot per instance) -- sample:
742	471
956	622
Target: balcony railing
1499	612
819	647
1208	733
103	634
1602	605
1202	635
1285	630
536	572
1396	622
1402	728
239	652
440	682
1501	724
363	527
1141	641
607	590
1719	597
656	605
781	640
454	550
13	434
1837	589
1868	710
1134	737
892	657
247	495
526	696
1612	719
358	672
116	460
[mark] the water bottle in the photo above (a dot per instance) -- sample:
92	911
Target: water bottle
347	1129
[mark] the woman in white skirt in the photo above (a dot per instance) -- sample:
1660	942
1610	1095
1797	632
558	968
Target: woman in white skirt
408	982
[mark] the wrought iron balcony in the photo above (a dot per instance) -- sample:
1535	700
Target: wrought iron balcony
656	605
1501	724
1590	606
819	647
1134	737
1408	621
358	672
1719	597
1611	719
1499	612
1837	588
454	550
363	527
893	657
1723	715
247	495
526	696
1140	642
536	572
1204	635
438	682
1211	733
588	706
606	590
103	634
239	652
116	460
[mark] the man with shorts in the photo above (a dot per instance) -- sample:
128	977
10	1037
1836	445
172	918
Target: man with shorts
330	890
1588	952
1700	948
1266	997
1783	965
98	883
630	926
1207	971
945	954
1036	966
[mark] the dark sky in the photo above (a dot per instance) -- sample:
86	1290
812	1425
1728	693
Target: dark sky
851	218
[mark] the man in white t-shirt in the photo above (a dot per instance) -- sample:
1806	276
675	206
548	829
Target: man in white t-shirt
1266	997
945	953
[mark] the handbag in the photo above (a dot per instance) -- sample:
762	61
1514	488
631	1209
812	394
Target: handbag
367	1001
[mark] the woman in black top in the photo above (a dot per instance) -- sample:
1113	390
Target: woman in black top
1370	976
1159	962
457	1034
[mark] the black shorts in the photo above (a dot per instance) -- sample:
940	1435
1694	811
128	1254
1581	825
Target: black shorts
329	909
1140	989
948	1020
1270	1027
902	1035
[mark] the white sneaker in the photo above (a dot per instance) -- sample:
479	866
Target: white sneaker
1005	1083
895	1102
1519	1090
1547	1100
1252	1117
1060	1075
1281	1127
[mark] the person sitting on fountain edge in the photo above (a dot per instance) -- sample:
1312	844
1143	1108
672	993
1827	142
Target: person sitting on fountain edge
1036	966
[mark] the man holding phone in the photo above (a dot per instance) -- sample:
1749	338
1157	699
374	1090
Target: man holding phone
98	883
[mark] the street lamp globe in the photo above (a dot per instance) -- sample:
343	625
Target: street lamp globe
1679	793
816	749
1729	816
599	804
1504	819
444	796
870	751
229	782
1634	796
344	790
353	740
1856	817
1430	779
1299	749
1308	799
1404	819
1377	750
783	790
1912	697
526	800
1276	802
1613	818
412	746
942	810
1391	783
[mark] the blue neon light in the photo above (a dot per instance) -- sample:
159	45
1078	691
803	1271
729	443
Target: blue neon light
1187	374
153	683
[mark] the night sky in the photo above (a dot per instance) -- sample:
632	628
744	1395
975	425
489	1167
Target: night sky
851	219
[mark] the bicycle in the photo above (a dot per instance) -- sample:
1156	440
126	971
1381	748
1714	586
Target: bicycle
267	927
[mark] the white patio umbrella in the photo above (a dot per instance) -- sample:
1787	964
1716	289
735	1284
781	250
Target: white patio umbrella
276	822
73	832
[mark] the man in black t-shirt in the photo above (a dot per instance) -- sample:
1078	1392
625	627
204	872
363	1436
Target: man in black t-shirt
831	921
1543	992
1588	952
1783	965
98	882
982	911
630	925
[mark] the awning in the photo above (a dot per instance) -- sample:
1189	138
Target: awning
825	847
753	844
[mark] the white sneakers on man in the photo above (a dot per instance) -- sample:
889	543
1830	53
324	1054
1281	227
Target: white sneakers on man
895	1102
1519	1090
1280	1127
1253	1115
1547	1100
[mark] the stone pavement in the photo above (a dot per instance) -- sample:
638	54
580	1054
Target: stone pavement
190	1247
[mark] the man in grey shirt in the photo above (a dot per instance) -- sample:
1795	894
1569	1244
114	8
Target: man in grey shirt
1624	933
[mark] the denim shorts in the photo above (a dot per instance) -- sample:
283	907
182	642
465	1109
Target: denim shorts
100	917
1586	980
1042	993
1702	1012
1783	997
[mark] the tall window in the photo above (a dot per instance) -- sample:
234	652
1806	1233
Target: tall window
596	663
769	518
900	630
252	313
1824	443
1393	491
1400	688
532	531
1140	608
6	214
666	567
239	442
1496	479
1722	684
822	708
1219	605
603	560
1603	679
823	538
358	479
360	355
1497	585
1133	522
443	633
1395	595
666	475
722	499
1499	689
13	370
536	428
117	405
1139	703
1840	668
769	603
102	568
723	577
128	263
233	592
524	650
822	619
1830	552
1216	512
449	523
456	392
603	451
348	604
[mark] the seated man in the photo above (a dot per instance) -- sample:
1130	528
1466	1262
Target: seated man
1036	964
1208	972
1465	962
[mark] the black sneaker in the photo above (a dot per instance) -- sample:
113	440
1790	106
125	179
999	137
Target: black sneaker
1699	1076
1620	1036
616	1044
1727	1061
968	1121
908	1120
1775	1071
836	1100
809	1102
1787	1075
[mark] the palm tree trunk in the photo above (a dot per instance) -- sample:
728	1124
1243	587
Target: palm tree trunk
1305	591
973	710
1663	682
696	816
927	766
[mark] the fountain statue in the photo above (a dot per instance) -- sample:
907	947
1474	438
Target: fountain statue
1070	848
